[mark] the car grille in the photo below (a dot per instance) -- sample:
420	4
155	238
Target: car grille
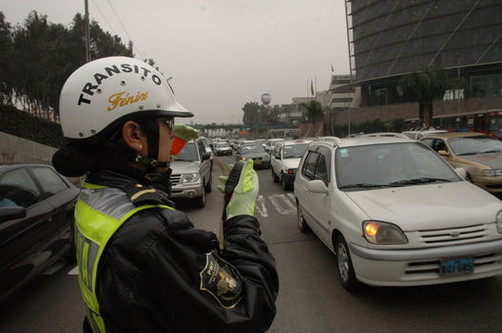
432	266
175	179
453	236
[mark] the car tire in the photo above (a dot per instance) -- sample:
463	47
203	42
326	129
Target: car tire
302	224
200	202
274	176
345	268
285	185
209	186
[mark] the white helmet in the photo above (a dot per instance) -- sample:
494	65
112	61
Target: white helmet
105	91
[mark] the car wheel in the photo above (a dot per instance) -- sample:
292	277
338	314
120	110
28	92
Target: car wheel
209	185
345	267
200	202
285	185
274	176
302	224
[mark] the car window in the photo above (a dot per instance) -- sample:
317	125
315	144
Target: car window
388	164
309	166
321	170
49	180
474	145
252	149
188	153
17	188
202	148
294	151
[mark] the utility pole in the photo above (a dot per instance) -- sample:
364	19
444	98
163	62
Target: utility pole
87	33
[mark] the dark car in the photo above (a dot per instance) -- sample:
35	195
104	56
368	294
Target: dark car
36	223
256	152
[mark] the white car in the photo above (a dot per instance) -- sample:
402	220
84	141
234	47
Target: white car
396	214
270	144
284	160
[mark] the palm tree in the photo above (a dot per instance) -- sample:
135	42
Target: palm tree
314	110
427	86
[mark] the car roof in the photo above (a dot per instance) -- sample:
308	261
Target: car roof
388	134
295	142
14	165
449	135
359	141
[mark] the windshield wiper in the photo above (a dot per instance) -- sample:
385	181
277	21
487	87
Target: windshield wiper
366	185
420	180
491	151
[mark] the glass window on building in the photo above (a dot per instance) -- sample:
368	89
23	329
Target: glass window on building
486	85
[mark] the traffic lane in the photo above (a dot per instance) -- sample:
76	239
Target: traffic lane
51	303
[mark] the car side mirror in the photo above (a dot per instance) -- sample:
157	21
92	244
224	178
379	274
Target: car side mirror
317	186
206	156
461	172
11	213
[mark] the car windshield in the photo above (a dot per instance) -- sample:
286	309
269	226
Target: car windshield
475	145
390	165
188	153
221	145
252	149
294	151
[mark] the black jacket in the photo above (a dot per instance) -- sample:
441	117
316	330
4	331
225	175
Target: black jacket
160	274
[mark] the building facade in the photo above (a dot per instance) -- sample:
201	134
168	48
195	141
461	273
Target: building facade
391	38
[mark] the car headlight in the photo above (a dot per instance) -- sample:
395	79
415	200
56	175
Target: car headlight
499	222
492	172
190	177
383	233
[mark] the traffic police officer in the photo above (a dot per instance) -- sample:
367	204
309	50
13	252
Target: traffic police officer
143	267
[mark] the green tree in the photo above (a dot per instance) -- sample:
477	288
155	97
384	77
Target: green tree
427	86
251	114
313	111
6	53
38	56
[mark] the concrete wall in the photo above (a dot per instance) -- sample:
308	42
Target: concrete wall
410	110
16	149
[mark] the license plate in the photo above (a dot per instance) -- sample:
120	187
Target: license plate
457	266
257	162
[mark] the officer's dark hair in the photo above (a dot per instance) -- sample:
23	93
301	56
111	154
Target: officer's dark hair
75	159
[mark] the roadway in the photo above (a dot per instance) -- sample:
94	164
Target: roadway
311	298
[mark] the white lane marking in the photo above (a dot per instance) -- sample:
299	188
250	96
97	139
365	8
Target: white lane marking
283	204
260	206
74	271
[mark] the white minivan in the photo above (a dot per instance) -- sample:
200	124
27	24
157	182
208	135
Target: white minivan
396	214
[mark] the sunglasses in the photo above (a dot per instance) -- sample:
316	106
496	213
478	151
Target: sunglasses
169	122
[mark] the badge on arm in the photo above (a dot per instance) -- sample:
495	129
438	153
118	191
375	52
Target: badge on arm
221	280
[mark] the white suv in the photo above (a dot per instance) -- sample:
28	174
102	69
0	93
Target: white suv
284	160
396	214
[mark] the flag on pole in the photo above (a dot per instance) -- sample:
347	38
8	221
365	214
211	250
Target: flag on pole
332	69
312	87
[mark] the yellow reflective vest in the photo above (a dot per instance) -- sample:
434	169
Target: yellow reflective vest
99	213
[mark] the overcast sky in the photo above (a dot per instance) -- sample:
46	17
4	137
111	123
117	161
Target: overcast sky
220	53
